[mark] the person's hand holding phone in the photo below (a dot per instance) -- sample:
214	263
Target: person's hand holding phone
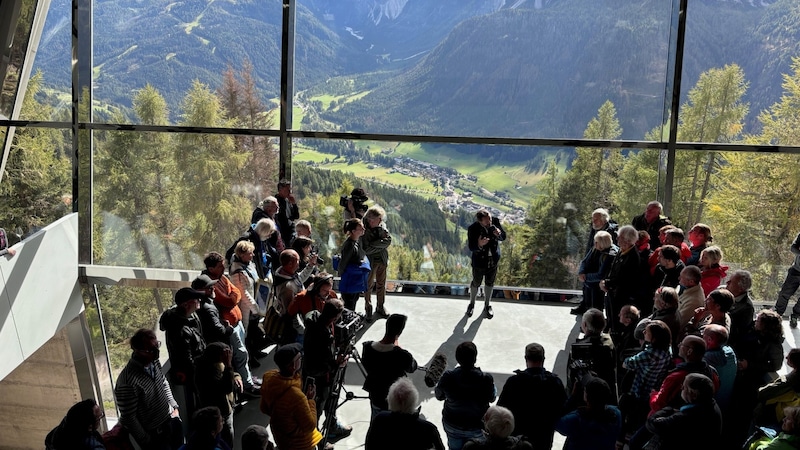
311	388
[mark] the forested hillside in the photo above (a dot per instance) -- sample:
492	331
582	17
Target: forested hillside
485	78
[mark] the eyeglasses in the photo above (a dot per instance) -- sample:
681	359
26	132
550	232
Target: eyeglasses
151	350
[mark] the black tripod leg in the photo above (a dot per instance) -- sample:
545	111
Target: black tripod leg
357	358
332	404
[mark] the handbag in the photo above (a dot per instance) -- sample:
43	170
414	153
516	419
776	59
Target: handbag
274	324
263	295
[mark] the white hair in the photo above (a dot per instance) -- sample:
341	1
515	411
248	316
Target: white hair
603	212
264	228
499	421
403	396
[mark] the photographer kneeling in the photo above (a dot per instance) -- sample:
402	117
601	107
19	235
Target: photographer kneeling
323	359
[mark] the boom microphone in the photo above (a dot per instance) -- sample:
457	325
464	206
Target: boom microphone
435	369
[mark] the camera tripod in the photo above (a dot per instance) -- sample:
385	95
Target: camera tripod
337	387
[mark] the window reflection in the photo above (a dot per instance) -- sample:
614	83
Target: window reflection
165	199
489	70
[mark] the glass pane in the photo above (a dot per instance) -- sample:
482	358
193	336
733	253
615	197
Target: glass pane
53	65
475	69
16	20
36	188
431	192
165	199
734	66
750	203
125	310
175	48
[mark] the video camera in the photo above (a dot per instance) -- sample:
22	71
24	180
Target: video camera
346	329
495	226
359	198
581	364
315	251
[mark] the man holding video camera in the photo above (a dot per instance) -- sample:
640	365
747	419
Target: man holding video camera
354	206
483	237
323	358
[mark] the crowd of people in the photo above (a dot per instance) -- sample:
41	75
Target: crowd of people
675	331
671	347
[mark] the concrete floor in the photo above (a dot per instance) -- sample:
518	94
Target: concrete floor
439	324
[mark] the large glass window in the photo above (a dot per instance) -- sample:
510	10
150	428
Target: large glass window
597	71
52	66
36	188
737	78
431	192
479	69
233	47
165	199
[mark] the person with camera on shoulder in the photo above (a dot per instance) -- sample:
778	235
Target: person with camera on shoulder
355	206
323	358
483	238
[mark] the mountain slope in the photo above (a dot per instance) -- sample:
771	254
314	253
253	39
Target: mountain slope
486	78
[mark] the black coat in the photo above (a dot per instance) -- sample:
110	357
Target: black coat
488	255
536	397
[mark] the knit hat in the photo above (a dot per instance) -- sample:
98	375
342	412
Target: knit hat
286	353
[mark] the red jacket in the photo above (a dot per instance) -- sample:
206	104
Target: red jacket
711	278
670	392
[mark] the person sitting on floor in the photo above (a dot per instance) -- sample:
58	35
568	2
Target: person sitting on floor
789	438
773	397
207	424
256	437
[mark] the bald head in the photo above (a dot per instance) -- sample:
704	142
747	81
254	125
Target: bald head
692	349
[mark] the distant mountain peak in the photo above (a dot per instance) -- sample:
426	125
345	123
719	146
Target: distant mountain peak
389	9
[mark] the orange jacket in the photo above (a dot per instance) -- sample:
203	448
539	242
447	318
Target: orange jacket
293	416
227	297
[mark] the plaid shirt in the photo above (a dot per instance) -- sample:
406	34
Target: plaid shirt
651	367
